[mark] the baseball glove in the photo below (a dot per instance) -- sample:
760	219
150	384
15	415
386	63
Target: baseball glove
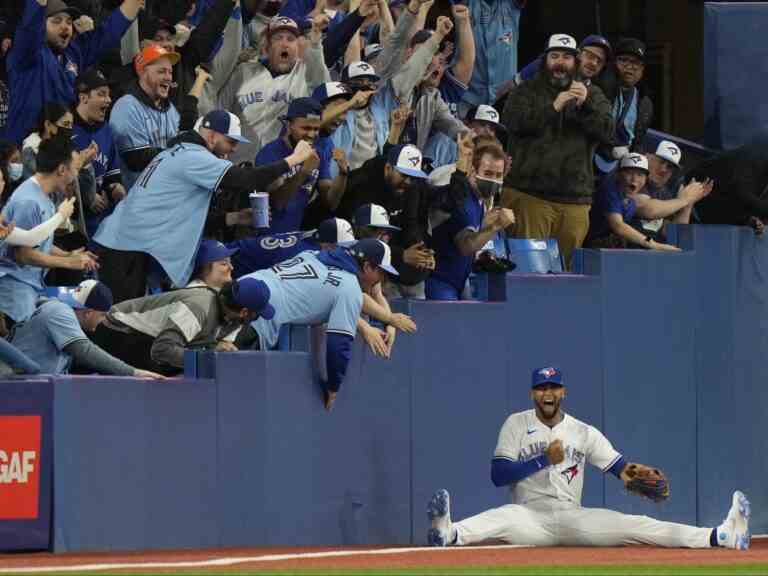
646	481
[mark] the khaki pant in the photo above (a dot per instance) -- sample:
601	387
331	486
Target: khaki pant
540	219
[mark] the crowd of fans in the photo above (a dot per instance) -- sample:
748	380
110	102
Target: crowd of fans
392	139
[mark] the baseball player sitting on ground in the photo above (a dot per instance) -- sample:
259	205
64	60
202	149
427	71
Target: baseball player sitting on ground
541	455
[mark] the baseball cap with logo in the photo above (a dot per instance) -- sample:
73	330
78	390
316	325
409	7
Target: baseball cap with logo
91	79
89	294
634	160
632	47
304	108
253	294
406	159
283	23
375	252
58	6
359	70
374	216
334	231
547	375
599	41
562	42
224	123
330	90
670	152
211	251
485	113
151	53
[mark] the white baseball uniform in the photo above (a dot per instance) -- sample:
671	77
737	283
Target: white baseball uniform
546	506
260	99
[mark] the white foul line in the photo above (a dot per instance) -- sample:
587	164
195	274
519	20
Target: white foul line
237	560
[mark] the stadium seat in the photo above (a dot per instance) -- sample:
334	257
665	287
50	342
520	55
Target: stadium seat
534	256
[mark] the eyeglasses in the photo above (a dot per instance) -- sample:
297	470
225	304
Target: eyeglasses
629	62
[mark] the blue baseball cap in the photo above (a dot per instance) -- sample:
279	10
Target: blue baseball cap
330	90
547	375
374	216
89	294
224	123
304	108
599	41
211	251
406	159
334	231
253	294
375	252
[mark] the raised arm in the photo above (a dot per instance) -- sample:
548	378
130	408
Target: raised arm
465	62
30	36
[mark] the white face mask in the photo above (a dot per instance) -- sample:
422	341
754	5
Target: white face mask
15	170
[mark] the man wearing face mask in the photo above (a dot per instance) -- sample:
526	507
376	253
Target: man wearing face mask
46	56
462	225
557	123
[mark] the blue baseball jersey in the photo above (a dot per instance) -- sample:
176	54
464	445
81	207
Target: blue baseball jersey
289	219
43	337
451	266
106	164
496	27
261	252
19	285
137	126
306	291
609	200
165	211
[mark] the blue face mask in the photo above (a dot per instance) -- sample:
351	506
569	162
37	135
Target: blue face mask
15	170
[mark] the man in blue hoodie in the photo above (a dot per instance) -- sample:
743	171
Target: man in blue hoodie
46	57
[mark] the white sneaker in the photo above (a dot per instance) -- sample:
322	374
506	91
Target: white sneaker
734	531
439	513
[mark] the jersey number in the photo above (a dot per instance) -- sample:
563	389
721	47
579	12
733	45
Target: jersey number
295	269
148	171
272	243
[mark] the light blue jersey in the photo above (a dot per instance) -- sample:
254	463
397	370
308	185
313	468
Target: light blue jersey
496	27
20	285
137	126
43	337
165	211
306	291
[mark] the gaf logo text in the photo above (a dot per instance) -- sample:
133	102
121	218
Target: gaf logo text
17	466
20	466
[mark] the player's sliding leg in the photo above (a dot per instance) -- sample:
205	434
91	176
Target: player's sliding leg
508	524
599	527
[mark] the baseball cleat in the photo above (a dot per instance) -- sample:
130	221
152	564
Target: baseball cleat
734	531
439	513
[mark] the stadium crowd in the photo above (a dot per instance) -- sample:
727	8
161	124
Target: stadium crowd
203	173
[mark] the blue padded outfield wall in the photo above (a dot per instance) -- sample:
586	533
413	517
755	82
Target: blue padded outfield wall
663	352
735	62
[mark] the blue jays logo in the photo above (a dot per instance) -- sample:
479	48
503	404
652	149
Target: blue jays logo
363	67
673	151
570	473
492	115
565	41
636	158
414	160
507	38
282	21
71	67
547	372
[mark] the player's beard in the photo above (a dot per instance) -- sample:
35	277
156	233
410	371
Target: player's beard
561	83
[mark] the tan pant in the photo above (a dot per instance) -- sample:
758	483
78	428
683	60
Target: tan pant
540	219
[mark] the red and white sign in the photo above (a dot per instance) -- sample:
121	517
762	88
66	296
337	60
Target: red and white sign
19	467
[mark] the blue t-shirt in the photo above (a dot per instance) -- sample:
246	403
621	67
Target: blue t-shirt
450	265
106	164
136	126
165	211
43	337
289	219
262	252
609	200
496	27
304	290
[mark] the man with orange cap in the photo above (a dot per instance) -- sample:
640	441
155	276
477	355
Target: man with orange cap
144	120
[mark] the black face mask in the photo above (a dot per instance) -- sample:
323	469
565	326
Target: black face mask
488	188
64	133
